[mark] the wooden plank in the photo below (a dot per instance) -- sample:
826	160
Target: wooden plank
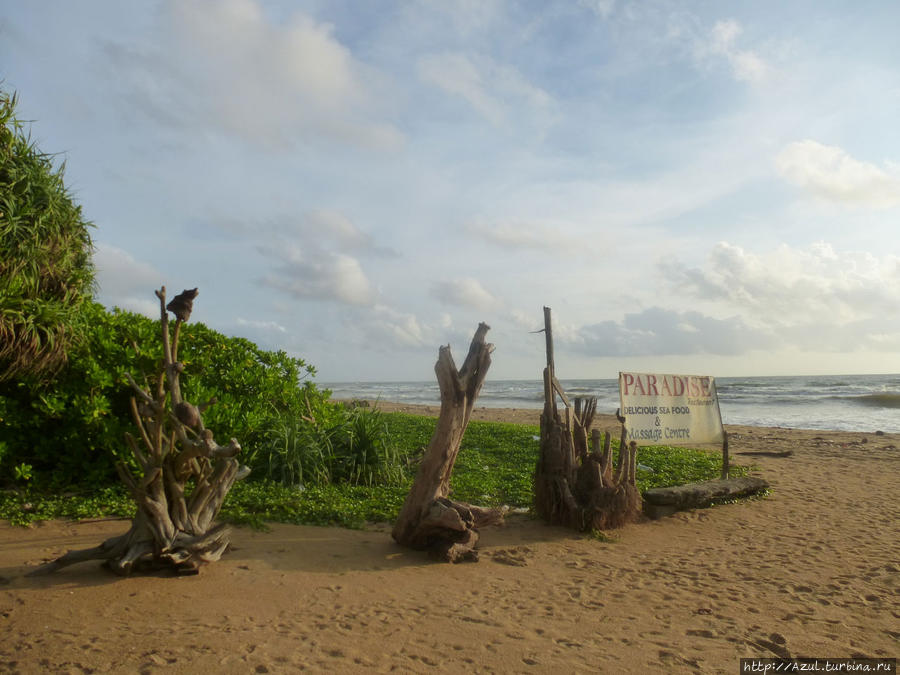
559	390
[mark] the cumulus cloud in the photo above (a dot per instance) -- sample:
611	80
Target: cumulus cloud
465	292
386	327
125	281
831	173
814	298
321	275
657	332
317	228
316	257
226	65
336	228
492	89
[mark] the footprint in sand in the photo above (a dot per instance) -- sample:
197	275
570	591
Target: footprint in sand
517	557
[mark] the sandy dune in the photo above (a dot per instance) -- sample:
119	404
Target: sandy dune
813	570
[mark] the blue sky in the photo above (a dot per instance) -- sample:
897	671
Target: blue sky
690	186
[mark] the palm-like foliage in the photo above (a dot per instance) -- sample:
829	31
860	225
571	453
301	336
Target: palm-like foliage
46	271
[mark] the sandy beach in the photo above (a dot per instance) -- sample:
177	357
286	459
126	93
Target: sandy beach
812	570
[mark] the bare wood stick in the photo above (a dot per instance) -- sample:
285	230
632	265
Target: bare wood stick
607	453
549	407
596	452
548	336
139	456
140	425
725	458
562	392
632	472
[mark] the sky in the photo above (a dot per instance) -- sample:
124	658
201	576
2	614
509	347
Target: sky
691	187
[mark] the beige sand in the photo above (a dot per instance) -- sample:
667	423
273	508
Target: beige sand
813	570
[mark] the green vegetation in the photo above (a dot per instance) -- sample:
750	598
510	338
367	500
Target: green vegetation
341	446
46	273
70	431
494	467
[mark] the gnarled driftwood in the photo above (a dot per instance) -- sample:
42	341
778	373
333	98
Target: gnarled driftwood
429	519
184	474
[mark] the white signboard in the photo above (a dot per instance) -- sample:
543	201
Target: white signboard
670	409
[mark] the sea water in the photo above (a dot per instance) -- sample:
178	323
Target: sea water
841	402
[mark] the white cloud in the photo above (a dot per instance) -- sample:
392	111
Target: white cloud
336	224
227	65
494	90
657	332
125	281
809	300
263	326
465	292
386	327
316	257
813	298
338	229
322	275
746	65
831	173
523	320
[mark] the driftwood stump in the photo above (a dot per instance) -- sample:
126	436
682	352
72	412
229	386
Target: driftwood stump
660	502
185	474
429	519
574	485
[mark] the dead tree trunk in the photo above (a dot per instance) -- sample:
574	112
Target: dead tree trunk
185	474
573	485
429	520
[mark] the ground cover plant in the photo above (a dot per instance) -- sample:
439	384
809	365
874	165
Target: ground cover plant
495	467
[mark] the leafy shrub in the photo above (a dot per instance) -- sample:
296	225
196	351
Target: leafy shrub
46	273
71	431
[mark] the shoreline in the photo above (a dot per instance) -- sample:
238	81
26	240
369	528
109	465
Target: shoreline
602	421
811	570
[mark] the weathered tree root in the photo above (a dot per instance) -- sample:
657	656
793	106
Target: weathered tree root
429	520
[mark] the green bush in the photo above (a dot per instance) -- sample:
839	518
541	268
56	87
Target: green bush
71	431
46	273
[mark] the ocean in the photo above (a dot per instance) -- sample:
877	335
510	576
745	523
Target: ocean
866	403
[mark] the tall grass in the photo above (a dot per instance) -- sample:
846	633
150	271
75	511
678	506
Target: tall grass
351	445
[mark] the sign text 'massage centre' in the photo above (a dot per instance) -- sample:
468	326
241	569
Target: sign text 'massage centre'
670	409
